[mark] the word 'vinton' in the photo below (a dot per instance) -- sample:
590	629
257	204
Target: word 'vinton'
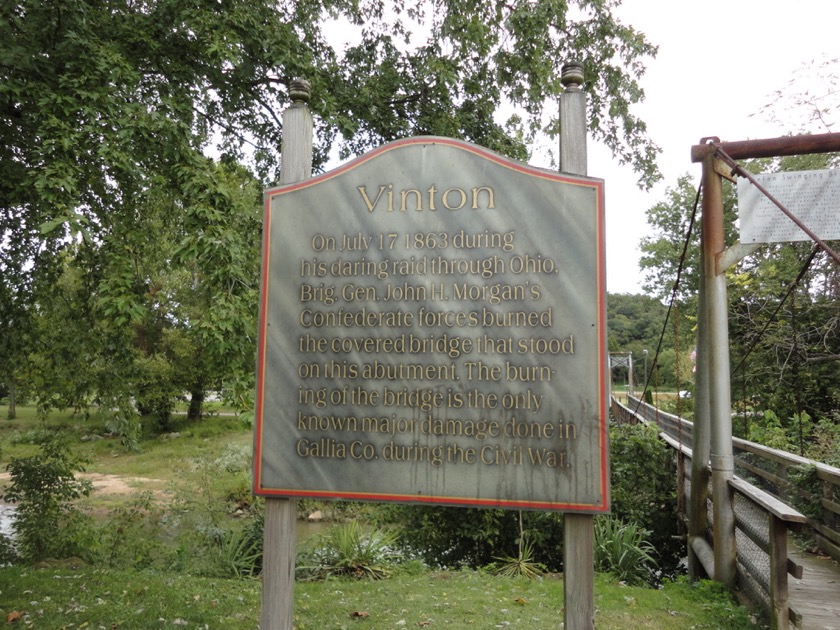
417	200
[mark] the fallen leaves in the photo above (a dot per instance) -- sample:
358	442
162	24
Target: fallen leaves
13	616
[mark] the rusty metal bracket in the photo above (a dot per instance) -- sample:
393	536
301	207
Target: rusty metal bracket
722	168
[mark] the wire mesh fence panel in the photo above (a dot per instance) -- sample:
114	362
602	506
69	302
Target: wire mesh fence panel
753	563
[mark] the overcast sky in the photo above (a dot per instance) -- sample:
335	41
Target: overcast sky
719	63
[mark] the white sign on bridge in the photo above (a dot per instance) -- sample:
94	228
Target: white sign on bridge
813	197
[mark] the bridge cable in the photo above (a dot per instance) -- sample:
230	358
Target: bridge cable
772	318
680	454
671	305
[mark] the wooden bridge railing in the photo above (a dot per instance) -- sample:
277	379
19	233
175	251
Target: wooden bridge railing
816	490
763	514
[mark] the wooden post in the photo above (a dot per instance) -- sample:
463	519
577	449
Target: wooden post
279	534
573	121
779	605
278	596
578	529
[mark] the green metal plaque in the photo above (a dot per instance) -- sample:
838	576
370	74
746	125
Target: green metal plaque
432	330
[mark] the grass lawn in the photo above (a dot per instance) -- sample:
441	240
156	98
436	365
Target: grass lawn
95	598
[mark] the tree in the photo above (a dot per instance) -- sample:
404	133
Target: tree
167	308
106	109
783	322
637	324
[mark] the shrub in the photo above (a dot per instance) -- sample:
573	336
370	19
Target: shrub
348	550
770	432
622	549
806	490
44	486
825	444
8	553
241	551
643	481
521	565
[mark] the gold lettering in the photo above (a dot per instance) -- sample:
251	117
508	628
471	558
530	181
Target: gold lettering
491	202
418	199
371	205
445	199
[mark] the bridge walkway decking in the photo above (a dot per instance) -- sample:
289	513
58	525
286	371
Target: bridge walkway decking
817	595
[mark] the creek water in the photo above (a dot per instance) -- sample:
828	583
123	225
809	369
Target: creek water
7	515
307	529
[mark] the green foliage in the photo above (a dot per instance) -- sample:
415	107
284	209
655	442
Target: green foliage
456	537
349	550
825	444
241	550
208	539
635	323
123	421
133	535
521	565
34	436
770	432
43	487
643	489
808	490
622	549
8	552
662	248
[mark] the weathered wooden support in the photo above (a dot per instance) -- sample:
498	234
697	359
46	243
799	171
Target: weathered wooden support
779	617
278	594
578	529
279	535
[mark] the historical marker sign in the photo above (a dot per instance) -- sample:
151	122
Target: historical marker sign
432	330
812	196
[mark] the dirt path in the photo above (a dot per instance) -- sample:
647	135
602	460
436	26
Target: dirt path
112	484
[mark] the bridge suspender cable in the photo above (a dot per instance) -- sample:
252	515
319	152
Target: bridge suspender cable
781	303
673	300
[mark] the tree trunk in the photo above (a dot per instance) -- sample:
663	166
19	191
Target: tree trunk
196	403
12	400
